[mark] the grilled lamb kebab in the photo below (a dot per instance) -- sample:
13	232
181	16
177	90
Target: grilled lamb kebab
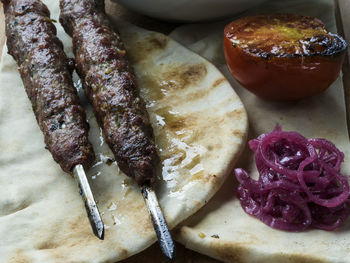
110	85
46	73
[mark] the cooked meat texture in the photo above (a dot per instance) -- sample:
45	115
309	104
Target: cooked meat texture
110	85
47	77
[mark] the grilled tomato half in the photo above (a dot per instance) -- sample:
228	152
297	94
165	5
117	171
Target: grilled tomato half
283	57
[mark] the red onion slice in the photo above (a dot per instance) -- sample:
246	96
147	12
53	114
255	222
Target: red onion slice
300	185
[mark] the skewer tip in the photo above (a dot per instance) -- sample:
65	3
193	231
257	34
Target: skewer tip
89	201
98	228
160	226
168	251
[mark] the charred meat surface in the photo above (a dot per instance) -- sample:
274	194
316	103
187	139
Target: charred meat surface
46	73
110	85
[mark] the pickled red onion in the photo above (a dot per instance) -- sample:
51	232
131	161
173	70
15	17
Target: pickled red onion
300	185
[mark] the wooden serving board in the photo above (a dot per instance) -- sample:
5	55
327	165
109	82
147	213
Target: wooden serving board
183	255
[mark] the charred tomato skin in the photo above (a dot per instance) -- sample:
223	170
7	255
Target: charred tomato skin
276	71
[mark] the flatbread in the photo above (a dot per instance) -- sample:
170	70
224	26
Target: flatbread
42	217
222	229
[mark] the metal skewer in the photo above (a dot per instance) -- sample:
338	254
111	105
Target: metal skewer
154	210
158	221
89	201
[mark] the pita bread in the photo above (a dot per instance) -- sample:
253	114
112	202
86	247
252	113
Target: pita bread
42	217
222	229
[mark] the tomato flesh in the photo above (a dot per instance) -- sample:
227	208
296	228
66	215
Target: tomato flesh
283	57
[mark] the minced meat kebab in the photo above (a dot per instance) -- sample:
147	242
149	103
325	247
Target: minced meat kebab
110	85
47	77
